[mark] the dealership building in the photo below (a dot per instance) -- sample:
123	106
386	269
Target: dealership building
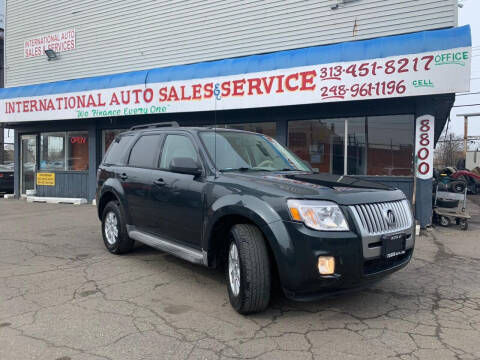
357	87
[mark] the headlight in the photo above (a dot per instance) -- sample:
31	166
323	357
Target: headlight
318	215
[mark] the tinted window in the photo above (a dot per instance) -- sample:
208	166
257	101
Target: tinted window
177	146
390	145
117	150
144	151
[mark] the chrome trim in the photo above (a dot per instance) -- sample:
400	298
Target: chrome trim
370	219
181	251
372	225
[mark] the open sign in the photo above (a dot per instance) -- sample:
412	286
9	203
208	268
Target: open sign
78	140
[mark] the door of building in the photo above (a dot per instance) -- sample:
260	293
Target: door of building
28	162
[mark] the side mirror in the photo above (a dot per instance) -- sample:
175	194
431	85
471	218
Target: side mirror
185	165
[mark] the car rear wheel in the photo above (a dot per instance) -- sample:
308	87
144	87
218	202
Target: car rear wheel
248	269
114	230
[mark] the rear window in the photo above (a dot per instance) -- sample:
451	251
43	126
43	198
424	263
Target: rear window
144	151
117	150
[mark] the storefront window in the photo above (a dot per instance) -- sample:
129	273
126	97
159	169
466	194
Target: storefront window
390	145
78	151
52	151
319	142
378	145
267	128
357	147
64	151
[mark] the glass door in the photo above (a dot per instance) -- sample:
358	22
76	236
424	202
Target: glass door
28	164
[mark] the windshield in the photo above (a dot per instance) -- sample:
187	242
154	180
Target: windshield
249	151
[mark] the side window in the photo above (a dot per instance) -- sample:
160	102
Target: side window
117	150
144	151
177	146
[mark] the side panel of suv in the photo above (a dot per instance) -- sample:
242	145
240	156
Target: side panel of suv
173	192
237	198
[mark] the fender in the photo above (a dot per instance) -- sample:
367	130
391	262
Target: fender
262	215
113	185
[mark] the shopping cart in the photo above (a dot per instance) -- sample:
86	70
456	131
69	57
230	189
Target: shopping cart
444	215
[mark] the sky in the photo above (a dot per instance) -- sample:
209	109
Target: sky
469	15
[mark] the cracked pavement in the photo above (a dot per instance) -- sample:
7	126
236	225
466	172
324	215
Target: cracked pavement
64	297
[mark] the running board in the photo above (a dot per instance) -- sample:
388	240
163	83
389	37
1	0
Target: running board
181	251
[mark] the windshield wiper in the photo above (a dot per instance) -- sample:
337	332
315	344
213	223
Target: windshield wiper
277	170
244	168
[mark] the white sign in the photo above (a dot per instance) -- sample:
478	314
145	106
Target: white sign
59	42
424	137
446	71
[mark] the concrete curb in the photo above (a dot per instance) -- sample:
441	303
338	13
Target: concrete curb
56	200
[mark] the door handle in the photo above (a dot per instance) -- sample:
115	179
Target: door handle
159	182
123	176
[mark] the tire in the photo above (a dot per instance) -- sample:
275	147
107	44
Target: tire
248	277
447	203
456	187
444	221
464	224
114	230
442	187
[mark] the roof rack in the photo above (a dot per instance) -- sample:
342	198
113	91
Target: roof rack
156	125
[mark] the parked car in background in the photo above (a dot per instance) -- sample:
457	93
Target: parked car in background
6	178
239	198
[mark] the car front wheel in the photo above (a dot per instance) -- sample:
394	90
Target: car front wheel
248	269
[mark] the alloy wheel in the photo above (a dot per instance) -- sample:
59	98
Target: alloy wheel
111	228
234	269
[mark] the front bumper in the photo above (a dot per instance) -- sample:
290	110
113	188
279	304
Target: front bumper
354	267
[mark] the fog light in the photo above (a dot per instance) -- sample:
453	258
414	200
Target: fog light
326	265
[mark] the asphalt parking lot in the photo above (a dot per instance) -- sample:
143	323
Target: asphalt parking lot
63	296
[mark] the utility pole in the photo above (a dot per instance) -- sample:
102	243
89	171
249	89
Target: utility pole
465	131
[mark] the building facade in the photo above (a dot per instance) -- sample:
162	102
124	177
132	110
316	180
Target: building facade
357	88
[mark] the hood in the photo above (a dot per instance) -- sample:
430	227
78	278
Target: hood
342	189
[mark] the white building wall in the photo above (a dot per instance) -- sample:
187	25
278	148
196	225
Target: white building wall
473	159
124	35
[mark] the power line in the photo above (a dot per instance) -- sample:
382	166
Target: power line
471	93
466	105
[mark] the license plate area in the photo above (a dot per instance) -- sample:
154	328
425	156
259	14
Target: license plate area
393	245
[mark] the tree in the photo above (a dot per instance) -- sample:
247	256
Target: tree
449	151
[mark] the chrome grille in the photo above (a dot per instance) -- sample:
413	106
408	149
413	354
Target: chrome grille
372	219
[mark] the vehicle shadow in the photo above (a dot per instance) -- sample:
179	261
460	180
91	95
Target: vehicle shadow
369	302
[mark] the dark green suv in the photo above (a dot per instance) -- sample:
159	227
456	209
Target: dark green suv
240	199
